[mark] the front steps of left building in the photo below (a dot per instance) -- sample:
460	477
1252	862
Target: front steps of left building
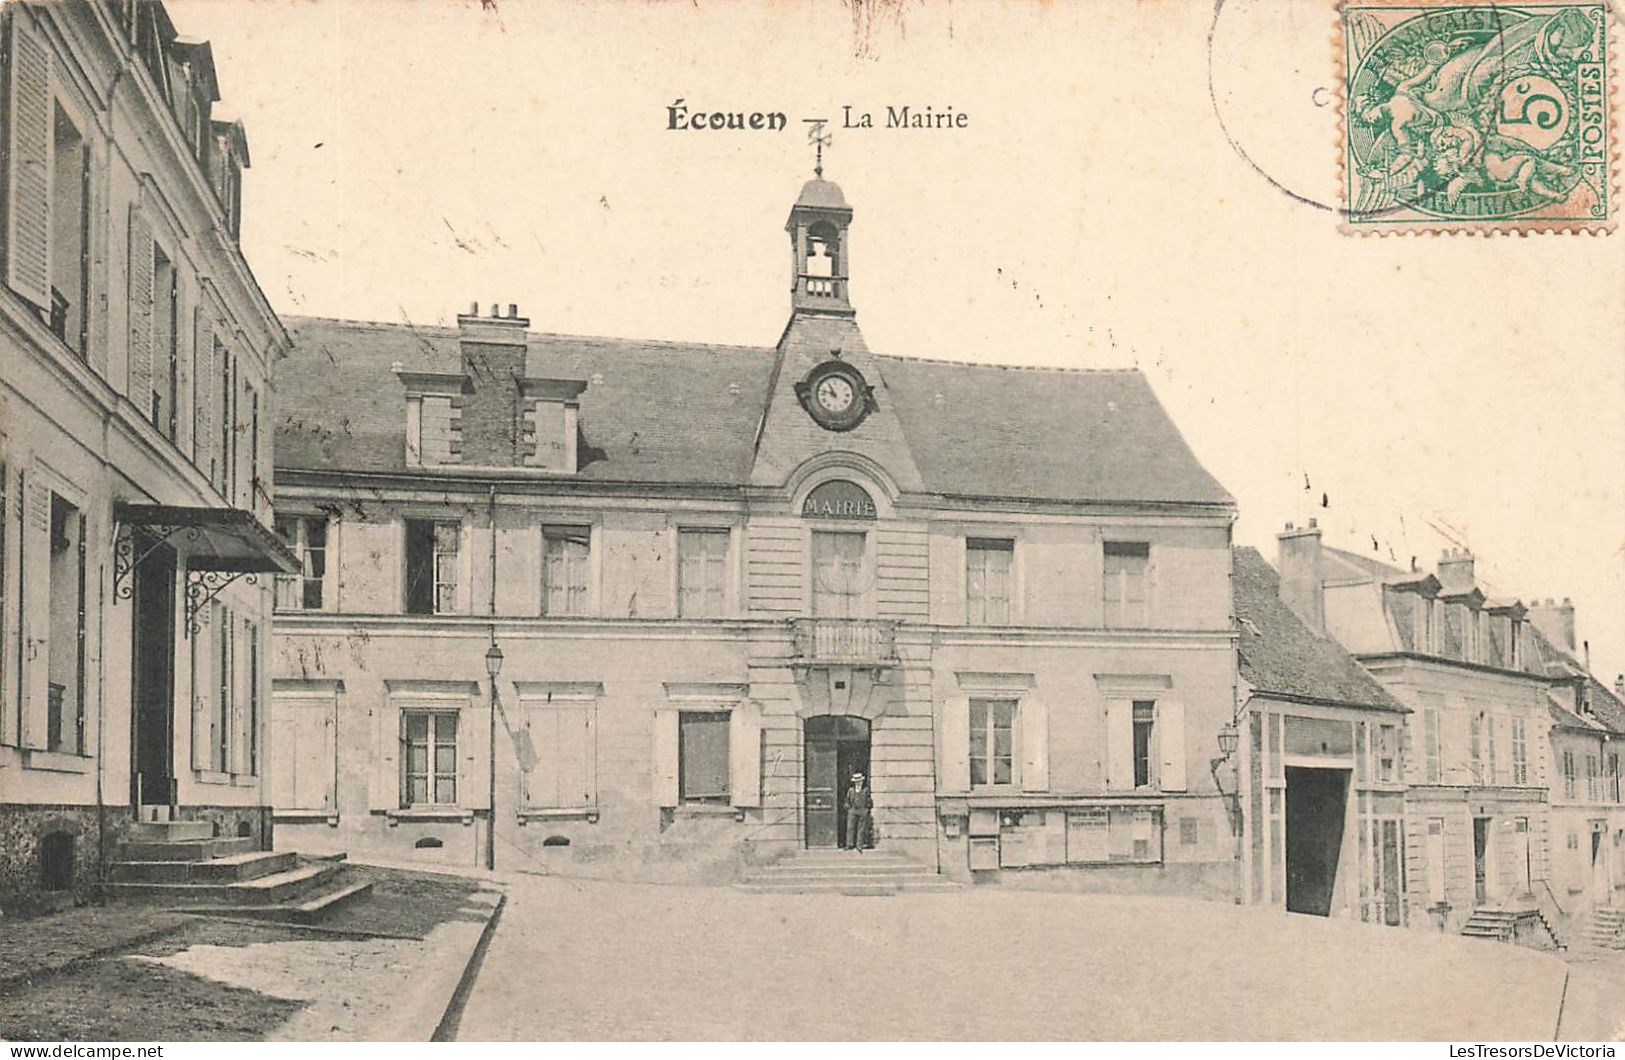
183	864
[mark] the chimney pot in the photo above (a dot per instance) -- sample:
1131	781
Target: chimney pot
1289	526
1313	523
513	310
474	309
495	310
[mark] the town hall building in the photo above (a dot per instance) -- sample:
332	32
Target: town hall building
644	608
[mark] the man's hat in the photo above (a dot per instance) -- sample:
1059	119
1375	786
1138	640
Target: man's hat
857	776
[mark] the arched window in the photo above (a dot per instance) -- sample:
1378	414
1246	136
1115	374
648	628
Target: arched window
823	257
428	842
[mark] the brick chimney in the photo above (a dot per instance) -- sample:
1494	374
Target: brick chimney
1556	620
1619	686
1298	558
1456	570
493	349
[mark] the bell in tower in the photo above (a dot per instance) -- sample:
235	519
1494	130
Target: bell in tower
820	261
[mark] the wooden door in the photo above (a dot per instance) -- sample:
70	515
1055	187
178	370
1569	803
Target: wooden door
1481	843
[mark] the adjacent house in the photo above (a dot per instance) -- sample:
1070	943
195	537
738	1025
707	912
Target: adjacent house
1478	822
1323	780
135	449
646	608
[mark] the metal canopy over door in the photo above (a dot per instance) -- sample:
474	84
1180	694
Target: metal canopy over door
152	691
837	746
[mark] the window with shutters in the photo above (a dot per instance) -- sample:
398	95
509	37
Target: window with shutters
1593	778
557	753
1475	746
428	758
1432	770
70	233
1570	780
256	486
1145	758
228	422
702	756
251	752
1520	752
1127	584
1613	777
1435	859
988	574
65	706
840	575
165	344
432	564
224	706
303	752
566	569
992	742
1387	753
702	573
306	535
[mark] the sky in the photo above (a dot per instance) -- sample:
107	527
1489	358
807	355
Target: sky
1137	183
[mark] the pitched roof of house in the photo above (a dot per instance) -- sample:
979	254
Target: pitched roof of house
1279	654
1607	711
662	412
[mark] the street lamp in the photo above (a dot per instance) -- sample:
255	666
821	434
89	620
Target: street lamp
1229	737
1229	741
493	667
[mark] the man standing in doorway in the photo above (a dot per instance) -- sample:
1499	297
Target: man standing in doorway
859	803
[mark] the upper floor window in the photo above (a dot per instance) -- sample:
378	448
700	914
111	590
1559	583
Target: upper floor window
70	233
1387	752
306	535
1520	752
702	573
65	632
432	548
1570	780
1432	765
992	742
1128	596
988	568
1594	778
565	569
840	578
166	378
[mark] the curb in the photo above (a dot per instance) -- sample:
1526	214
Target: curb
446	1029
449	970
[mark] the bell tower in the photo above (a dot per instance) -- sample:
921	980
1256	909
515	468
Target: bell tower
820	261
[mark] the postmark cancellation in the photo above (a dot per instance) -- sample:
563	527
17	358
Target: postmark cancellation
1477	117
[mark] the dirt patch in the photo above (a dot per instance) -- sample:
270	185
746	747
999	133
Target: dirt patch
118	999
40	946
405	903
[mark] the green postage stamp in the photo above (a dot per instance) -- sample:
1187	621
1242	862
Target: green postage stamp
1476	117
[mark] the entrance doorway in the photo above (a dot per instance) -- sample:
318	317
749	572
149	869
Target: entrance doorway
1481	857
1316	800
152	680
837	745
1600	884
1522	856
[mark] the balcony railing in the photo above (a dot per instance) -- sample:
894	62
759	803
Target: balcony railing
844	641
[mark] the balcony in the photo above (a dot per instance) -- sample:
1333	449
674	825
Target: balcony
844	642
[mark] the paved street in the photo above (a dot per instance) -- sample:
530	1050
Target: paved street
576	959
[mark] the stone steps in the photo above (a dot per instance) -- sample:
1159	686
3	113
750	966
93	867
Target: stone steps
183	850
276	887
307	911
247	865
846	872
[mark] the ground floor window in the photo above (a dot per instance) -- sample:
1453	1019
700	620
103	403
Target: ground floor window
992	742
429	771
702	756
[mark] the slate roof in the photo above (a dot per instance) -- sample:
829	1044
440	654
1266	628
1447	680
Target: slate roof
1607	711
660	412
1281	655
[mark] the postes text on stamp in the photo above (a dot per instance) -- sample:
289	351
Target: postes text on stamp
1476	117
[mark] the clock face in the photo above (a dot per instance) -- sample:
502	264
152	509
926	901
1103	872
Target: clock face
834	394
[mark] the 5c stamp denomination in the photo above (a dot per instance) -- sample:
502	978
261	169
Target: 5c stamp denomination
1477	117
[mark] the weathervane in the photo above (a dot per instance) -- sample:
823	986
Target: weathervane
819	139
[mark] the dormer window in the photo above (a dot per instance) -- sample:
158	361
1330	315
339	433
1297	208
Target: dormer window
549	411
434	417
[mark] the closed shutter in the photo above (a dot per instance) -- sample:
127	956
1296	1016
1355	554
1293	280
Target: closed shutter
1171	742
36	614
312	756
665	758
474	774
953	746
203	392
1119	745
1034	744
140	313
386	773
28	148
745	755
205	682
285	777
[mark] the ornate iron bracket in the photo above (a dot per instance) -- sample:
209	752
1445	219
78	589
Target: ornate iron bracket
203	586
126	559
